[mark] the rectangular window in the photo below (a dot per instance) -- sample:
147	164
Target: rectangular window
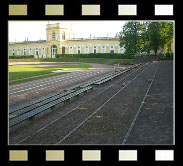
30	51
103	49
87	49
94	49
24	51
112	49
13	51
43	51
18	51
63	35
70	50
37	51
53	35
121	50
79	50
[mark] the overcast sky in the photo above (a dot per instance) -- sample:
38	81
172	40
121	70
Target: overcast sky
36	30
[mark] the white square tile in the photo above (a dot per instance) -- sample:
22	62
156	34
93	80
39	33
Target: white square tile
164	155
127	9
90	9
91	155
163	10
127	155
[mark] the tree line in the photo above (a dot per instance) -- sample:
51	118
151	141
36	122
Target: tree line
147	37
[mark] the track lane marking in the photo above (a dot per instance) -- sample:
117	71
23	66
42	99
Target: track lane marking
78	106
70	133
136	116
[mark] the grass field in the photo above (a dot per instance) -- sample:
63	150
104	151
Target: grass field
83	60
25	71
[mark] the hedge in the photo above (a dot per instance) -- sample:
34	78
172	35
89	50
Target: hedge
21	57
168	56
92	55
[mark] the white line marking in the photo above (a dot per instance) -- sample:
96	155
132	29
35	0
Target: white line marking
136	116
97	110
76	107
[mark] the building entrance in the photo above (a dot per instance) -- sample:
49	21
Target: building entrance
53	50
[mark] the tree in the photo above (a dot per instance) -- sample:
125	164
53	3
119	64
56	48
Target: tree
167	36
138	37
159	35
131	37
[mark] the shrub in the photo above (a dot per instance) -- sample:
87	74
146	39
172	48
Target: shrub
21	56
97	55
167	56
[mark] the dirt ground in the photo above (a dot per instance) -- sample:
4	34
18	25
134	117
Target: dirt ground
108	114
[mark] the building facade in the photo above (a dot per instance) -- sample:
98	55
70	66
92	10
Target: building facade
60	40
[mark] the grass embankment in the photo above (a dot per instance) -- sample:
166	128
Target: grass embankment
24	72
83	60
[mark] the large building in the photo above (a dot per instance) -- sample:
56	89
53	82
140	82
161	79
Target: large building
60	40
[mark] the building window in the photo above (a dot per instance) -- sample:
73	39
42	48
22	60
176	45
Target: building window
53	50
79	50
53	35
43	51
37	51
24	51
70	50
112	49
94	49
63	50
87	49
121	50
30	51
63	35
13	51
18	51
103	50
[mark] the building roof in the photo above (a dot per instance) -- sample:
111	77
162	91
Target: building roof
94	38
27	42
73	39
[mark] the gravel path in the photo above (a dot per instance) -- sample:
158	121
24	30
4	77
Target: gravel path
104	115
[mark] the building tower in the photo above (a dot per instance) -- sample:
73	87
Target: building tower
56	35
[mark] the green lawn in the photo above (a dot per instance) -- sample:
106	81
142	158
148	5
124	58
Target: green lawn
25	71
83	60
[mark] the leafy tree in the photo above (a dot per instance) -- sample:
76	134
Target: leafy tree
159	35
138	37
167	36
130	37
153	36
